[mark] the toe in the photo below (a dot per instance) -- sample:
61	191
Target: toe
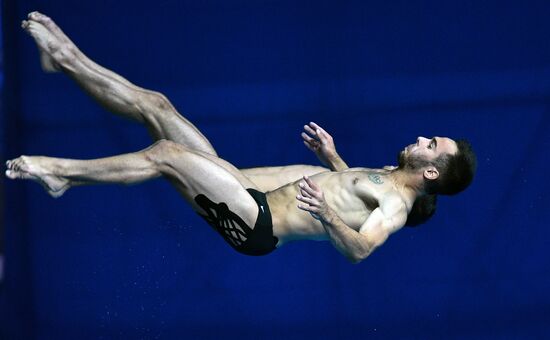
39	17
23	164
33	15
18	164
11	174
15	164
29	25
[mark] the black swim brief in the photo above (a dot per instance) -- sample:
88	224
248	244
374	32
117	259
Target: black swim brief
248	241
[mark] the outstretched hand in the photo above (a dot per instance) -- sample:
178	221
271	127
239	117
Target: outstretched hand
312	200
320	142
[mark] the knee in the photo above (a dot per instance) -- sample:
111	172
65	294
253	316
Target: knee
156	102
163	151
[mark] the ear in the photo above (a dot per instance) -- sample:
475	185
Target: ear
431	173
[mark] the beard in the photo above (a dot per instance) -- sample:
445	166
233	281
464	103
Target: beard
401	159
409	162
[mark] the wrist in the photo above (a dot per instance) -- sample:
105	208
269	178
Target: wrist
327	215
333	157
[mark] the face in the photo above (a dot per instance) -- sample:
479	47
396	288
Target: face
426	150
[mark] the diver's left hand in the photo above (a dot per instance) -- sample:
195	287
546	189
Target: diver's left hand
312	200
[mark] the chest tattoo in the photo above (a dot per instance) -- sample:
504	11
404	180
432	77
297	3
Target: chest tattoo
375	178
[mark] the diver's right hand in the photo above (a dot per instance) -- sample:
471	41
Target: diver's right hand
320	142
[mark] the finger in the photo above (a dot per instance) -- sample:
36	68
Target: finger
302	207
311	184
310	143
305	193
322	137
321	133
307	208
310	130
307	200
314	125
317	127
309	146
304	187
307	138
306	190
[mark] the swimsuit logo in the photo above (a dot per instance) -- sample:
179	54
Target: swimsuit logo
262	207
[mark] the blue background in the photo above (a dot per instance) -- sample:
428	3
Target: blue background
135	262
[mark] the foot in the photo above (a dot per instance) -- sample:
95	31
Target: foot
36	169
53	44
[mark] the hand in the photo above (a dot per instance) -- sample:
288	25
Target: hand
320	142
312	199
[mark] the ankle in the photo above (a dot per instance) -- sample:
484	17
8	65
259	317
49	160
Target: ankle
65	56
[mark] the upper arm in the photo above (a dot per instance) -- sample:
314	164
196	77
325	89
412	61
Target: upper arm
389	217
271	178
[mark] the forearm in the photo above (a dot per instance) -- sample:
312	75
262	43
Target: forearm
352	244
271	178
347	241
336	163
295	171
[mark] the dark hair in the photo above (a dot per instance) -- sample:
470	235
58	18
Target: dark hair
456	171
421	211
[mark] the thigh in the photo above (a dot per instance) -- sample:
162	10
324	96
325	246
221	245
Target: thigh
196	174
241	175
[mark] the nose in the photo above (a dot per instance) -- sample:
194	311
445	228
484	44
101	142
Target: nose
420	140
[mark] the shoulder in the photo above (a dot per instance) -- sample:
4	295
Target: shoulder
393	201
389	216
373	182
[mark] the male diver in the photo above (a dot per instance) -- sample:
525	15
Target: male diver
356	209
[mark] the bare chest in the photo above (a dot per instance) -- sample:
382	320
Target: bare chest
352	209
354	194
353	206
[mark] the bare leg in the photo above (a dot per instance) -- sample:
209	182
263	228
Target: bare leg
32	168
191	173
116	94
